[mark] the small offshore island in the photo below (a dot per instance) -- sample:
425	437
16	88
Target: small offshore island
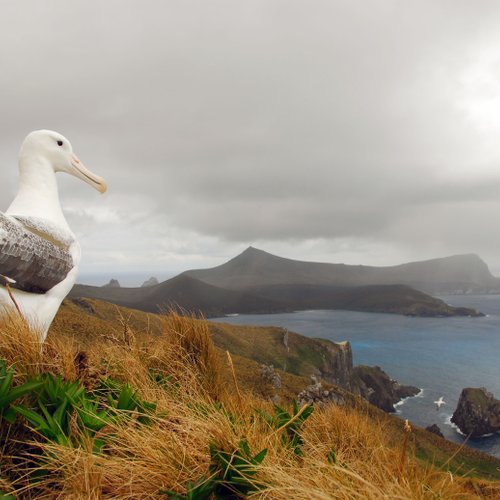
477	413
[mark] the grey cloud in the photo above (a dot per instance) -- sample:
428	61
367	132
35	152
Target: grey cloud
223	123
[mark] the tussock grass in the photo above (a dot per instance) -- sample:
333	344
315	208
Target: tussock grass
197	405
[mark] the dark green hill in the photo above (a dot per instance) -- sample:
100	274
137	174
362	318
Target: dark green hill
193	295
394	299
185	293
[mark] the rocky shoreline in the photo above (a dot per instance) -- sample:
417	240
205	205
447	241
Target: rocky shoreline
373	384
382	395
333	365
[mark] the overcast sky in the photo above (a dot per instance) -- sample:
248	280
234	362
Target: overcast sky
341	131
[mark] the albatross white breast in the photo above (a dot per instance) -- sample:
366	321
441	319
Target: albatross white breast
39	255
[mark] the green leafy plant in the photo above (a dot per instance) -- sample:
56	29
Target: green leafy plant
331	457
91	416
55	391
52	425
166	382
234	471
92	419
8	393
56	400
290	423
124	401
231	475
200	490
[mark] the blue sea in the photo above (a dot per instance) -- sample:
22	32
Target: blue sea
439	355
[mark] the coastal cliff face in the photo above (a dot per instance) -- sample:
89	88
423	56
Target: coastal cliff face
336	367
328	361
369	382
373	384
477	413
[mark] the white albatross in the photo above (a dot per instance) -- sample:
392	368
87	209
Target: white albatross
440	402
39	254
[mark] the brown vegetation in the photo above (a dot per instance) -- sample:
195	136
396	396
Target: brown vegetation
346	451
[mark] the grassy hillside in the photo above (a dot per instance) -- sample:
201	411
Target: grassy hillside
87	321
195	424
304	356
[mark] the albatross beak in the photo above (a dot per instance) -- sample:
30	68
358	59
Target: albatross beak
86	175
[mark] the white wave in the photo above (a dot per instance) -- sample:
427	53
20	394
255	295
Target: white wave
452	425
401	402
456	428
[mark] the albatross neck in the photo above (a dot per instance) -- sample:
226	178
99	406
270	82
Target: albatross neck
37	195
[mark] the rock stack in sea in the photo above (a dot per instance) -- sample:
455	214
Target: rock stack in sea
435	430
477	413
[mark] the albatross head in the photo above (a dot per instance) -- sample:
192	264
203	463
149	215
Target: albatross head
56	149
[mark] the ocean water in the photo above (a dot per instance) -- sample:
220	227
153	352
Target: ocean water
439	355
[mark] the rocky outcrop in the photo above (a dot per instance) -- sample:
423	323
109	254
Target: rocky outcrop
373	384
435	430
315	393
270	375
272	380
112	284
477	413
150	282
285	340
84	304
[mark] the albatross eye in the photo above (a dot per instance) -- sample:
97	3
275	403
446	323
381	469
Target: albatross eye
59	143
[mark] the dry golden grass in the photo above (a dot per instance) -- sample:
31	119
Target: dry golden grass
200	405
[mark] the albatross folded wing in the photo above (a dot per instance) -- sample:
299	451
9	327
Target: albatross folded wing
32	261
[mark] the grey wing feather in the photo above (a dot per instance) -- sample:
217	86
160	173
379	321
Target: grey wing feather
35	263
46	229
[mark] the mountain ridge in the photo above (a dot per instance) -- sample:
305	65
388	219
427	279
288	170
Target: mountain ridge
257	268
258	282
